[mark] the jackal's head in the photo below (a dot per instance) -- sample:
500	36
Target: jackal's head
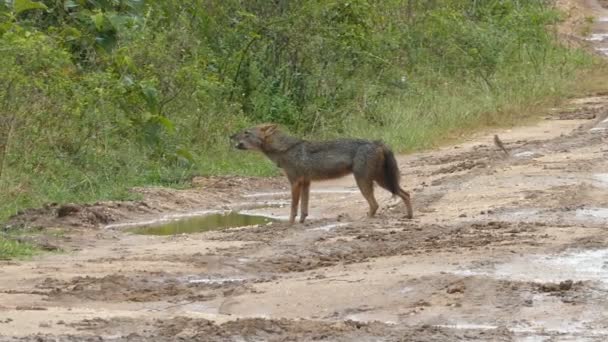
253	138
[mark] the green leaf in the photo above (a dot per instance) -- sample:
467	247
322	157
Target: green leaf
106	41
117	20
151	95
135	5
98	19
70	4
24	5
184	153
164	122
127	80
5	27
70	33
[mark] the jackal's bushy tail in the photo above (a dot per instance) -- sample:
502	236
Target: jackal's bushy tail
391	171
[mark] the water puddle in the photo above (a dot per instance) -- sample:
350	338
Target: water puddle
597	37
587	265
553	216
602	178
329	227
199	224
602	50
216	281
529	214
527	154
597	129
538	333
468	326
597	214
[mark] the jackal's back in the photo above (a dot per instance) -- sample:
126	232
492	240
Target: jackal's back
327	159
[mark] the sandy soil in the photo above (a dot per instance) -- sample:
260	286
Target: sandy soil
503	248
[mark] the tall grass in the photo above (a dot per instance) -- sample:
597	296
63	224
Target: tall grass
10	249
437	113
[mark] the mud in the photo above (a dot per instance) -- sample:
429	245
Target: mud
146	287
502	248
259	329
359	243
207	192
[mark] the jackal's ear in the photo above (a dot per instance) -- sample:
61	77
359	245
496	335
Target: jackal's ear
268	129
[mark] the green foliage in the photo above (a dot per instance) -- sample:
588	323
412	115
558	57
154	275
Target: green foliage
100	95
10	249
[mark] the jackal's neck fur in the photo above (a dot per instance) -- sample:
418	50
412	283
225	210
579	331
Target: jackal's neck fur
275	145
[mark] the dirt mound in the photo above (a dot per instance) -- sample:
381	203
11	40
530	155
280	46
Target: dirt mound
585	113
207	193
76	215
135	288
468	159
231	182
155	202
259	329
360	242
461	166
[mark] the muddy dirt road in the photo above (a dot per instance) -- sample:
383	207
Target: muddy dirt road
503	248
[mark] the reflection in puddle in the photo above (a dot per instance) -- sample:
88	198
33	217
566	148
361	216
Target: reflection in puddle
202	224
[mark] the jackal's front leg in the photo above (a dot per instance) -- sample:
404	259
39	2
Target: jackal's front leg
304	204
296	189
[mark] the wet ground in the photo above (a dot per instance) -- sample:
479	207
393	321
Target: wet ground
502	248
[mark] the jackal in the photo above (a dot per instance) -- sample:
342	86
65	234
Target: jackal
304	161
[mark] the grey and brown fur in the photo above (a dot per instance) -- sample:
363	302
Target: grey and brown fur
305	161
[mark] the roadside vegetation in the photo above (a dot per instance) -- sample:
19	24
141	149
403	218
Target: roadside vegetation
98	96
11	248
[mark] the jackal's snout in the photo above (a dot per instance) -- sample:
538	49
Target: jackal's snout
241	140
253	138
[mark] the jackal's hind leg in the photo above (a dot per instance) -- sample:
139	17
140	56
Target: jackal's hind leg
405	196
366	185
